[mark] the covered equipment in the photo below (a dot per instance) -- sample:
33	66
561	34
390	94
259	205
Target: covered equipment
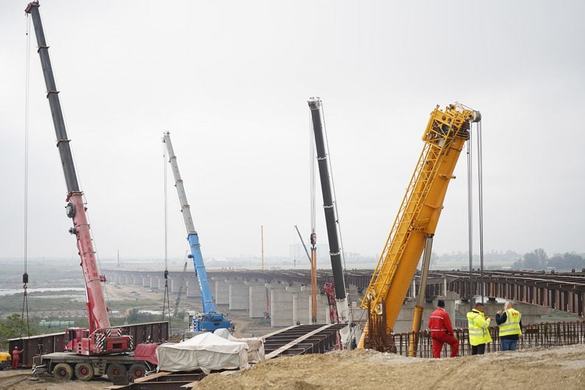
206	351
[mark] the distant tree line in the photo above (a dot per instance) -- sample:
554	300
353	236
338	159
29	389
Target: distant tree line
539	260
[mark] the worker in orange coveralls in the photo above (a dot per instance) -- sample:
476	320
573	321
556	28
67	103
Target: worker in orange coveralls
16	357
442	331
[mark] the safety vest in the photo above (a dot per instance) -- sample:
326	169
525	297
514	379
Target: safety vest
512	324
478	325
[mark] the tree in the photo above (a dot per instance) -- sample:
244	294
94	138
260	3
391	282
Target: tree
11	327
567	261
536	260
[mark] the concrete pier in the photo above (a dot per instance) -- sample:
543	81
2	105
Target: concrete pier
221	292
238	296
281	313
257	296
191	288
301	307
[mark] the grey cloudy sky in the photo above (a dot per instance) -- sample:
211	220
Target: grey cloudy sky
230	80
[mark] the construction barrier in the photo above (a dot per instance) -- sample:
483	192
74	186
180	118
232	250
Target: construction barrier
155	332
542	335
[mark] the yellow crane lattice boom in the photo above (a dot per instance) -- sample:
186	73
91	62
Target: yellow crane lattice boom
444	138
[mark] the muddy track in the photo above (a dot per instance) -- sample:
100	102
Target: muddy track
10	381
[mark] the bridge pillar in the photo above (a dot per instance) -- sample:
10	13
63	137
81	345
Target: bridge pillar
221	292
281	308
322	309
238	295
173	285
301	307
191	288
154	282
352	292
257	300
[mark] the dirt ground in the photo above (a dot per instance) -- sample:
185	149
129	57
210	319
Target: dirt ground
21	379
561	368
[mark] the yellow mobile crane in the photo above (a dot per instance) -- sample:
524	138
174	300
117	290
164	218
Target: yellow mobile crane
415	224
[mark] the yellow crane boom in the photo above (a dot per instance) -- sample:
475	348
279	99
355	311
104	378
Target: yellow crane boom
417	218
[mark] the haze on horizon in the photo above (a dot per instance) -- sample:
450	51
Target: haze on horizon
230	81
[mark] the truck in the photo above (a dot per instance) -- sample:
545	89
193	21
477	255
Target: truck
414	226
209	319
100	348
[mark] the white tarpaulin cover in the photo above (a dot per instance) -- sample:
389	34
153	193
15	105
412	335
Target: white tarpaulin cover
206	351
255	345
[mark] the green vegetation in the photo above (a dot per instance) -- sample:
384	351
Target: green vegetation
539	260
14	326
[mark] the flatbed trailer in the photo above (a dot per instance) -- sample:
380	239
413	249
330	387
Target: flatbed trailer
68	365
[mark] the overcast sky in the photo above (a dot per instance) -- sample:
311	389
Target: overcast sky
230	79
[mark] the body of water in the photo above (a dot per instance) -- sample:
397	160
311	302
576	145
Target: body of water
14	291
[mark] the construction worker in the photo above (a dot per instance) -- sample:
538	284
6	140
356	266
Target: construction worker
479	329
442	331
510	326
15	357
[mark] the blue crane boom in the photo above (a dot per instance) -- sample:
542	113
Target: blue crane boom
209	319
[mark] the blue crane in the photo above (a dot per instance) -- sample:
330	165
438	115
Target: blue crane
209	319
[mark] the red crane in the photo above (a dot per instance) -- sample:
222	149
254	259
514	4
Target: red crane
100	338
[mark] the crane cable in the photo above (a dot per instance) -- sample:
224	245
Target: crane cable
338	221
26	133
480	205
166	309
470	211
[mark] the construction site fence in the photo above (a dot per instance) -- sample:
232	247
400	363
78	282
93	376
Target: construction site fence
550	334
156	332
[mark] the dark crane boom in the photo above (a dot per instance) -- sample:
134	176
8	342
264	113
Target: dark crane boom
315	104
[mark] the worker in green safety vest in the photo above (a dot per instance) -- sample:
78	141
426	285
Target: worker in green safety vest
479	329
510	326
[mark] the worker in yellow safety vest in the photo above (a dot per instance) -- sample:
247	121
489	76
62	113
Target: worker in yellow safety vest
510	323
479	329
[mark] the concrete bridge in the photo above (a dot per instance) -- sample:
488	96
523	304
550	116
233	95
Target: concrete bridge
284	295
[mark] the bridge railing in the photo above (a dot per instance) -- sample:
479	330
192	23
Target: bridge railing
533	336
